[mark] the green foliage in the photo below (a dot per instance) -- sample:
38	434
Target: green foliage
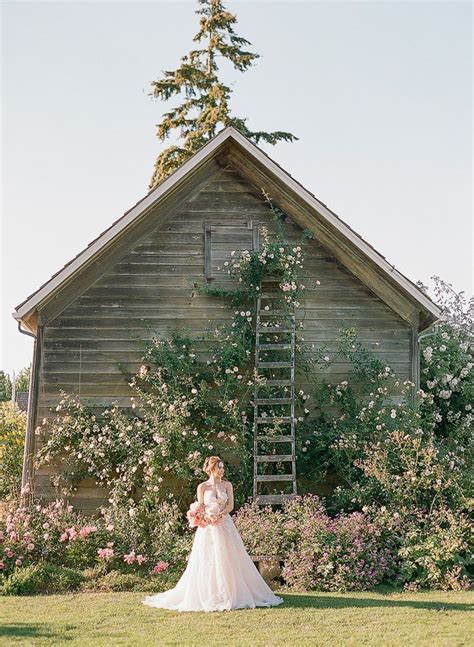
447	378
436	549
12	439
125	540
261	529
42	578
205	97
349	552
358	550
5	387
22	381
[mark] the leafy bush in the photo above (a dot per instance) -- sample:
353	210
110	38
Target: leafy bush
348	552
12	439
358	550
126	540
52	532
42	578
436	550
261	530
155	532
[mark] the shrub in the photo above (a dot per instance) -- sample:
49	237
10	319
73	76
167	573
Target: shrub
348	552
42	578
53	532
12	438
435	551
155	530
261	530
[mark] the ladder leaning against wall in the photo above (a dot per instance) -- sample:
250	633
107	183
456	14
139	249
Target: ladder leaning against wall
274	351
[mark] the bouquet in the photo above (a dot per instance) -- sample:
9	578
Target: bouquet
202	515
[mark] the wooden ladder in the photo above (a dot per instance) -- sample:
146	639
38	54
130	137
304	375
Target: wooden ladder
264	326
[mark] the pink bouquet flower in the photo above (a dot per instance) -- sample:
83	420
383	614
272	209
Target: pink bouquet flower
201	515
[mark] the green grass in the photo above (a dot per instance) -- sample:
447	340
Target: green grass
329	619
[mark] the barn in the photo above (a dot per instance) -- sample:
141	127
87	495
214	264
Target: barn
139	278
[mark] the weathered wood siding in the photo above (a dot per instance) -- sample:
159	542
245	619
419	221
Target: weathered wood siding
151	291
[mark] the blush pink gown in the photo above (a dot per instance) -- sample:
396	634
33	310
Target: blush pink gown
220	575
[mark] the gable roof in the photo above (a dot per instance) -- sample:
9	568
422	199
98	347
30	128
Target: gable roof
248	158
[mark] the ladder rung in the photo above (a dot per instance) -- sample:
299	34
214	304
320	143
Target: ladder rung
277	439
274	346
276	312
273	329
275	458
273	498
275	364
274	477
274	418
273	400
272	296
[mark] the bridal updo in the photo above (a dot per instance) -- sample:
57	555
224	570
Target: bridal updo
210	464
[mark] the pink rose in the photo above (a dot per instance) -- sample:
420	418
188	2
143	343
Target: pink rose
141	559
18	562
9	553
30	547
2	566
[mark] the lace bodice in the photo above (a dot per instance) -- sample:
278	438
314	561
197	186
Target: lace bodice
215	494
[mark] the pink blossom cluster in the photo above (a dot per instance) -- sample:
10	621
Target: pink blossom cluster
161	566
106	553
70	534
132	557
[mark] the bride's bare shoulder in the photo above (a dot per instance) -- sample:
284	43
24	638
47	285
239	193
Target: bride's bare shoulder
227	484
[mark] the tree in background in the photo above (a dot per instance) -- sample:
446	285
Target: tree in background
22	381
205	98
12	437
5	387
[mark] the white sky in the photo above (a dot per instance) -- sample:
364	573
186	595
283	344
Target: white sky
379	93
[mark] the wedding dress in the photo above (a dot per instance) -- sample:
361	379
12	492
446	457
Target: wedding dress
220	574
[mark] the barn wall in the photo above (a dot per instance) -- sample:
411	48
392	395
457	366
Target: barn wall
151	291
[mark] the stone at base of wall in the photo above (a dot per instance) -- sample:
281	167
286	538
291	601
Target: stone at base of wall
268	567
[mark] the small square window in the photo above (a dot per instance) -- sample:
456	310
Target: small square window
221	239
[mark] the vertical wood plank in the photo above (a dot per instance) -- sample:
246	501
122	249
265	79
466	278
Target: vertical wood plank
415	361
27	473
255	236
207	250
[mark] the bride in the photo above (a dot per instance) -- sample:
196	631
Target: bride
220	574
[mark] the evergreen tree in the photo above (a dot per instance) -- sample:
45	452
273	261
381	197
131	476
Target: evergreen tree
5	387
205	98
22	382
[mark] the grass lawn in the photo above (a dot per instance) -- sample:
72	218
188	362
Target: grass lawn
329	619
